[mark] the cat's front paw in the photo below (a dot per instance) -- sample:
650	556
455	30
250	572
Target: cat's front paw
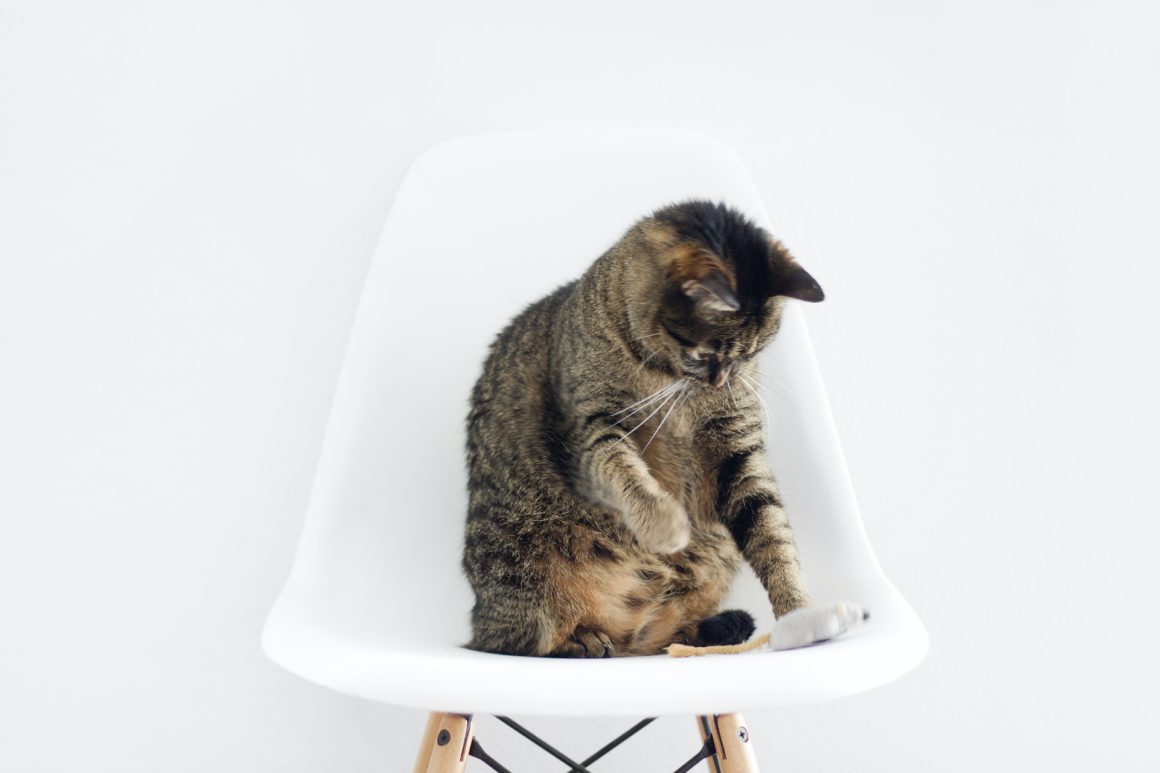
660	524
787	601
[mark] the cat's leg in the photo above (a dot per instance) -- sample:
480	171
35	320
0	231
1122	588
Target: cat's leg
611	472
542	618
509	615
748	504
509	625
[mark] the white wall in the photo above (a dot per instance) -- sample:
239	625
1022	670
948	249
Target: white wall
189	197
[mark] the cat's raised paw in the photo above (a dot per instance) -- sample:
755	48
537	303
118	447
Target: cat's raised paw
661	525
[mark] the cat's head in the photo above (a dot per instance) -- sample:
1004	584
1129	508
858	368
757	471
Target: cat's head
717	290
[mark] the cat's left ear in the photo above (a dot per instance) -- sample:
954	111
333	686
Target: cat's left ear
796	282
712	291
703	278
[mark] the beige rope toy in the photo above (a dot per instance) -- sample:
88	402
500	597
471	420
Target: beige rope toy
799	628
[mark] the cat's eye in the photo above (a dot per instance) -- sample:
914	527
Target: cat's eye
678	337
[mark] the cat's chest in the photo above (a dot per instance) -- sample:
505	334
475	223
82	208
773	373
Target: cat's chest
674	461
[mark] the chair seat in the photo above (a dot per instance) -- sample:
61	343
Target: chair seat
454	679
376	604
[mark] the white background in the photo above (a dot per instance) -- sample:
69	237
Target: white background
189	198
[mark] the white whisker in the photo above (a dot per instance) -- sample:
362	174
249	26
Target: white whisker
643	401
646	418
660	398
732	397
776	383
680	398
764	405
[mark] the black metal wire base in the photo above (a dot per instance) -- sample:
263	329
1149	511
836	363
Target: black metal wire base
581	767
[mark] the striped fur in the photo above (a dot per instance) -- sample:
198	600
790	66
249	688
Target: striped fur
617	474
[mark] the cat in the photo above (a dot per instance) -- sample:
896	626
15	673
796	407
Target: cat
616	469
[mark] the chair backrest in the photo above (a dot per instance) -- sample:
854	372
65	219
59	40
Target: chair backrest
481	227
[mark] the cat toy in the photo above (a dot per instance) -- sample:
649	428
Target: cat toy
799	628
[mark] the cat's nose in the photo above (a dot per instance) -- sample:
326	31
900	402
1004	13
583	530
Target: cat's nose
718	373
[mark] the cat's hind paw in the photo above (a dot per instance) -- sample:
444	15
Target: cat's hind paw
586	643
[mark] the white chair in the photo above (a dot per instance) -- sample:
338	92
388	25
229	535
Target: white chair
376	605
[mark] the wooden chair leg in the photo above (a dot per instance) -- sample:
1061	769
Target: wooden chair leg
732	742
427	742
446	741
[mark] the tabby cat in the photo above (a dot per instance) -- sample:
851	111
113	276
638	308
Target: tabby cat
617	474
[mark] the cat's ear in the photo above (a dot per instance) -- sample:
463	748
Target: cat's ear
796	282
711	291
703	278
